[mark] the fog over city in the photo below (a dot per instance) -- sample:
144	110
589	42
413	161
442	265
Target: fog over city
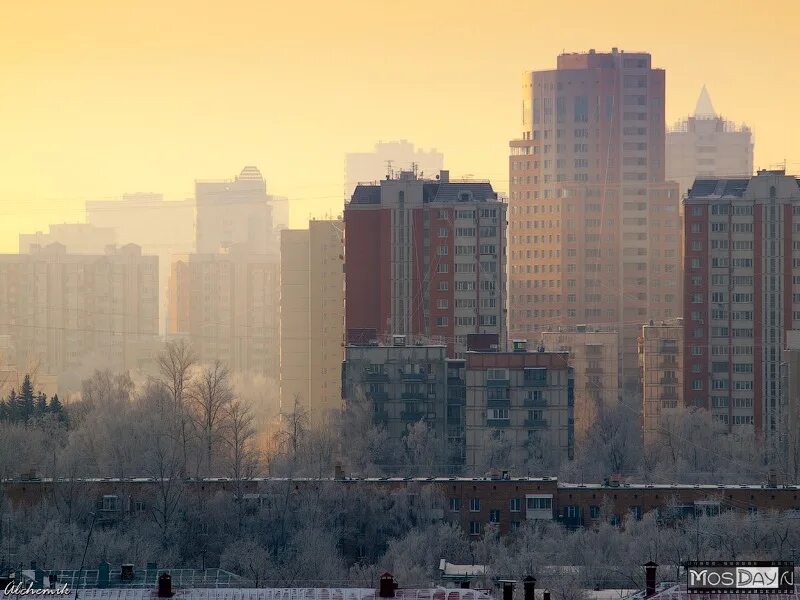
435	302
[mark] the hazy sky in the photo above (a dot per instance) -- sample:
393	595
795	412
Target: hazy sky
102	97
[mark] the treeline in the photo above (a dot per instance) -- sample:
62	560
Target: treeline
29	407
347	536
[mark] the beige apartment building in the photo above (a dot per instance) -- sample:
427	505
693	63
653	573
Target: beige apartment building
661	359
706	145
594	358
312	317
227	307
519	409
594	228
78	238
62	310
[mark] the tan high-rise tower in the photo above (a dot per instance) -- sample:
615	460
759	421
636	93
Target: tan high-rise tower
312	318
594	233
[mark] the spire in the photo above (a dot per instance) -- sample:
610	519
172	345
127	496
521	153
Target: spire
704	108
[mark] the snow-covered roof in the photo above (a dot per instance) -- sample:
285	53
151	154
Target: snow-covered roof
279	594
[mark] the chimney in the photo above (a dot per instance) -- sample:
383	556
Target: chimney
165	585
444	176
508	590
103	574
772	478
387	586
126	572
650	578
529	587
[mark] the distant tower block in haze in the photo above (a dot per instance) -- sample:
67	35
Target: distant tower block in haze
364	167
78	238
425	258
161	227
594	229
234	211
706	145
312	318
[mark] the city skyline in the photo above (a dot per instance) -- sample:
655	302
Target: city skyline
87	124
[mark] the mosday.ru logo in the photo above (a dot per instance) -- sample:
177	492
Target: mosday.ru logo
745	577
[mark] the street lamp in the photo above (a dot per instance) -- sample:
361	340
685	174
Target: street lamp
85	549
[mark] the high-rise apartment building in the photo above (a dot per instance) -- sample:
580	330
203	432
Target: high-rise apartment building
236	211
65	310
77	238
594	358
519	408
226	304
594	228
426	258
160	227
312	317
661	359
386	158
742	296
706	145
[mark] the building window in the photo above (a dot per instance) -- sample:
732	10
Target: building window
442	232
514	525
474	504
594	512
540	503
515	505
474	528
455	504
110	503
494	515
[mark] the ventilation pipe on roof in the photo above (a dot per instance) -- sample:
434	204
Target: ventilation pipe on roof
387	586
650	578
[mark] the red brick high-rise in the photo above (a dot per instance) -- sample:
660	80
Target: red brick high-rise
426	259
742	260
594	230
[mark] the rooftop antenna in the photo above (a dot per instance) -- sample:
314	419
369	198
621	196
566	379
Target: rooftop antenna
414	168
389	172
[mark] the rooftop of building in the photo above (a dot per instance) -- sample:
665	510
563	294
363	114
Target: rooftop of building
490	478
442	189
729	187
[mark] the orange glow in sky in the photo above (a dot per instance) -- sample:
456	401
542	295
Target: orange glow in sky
102	97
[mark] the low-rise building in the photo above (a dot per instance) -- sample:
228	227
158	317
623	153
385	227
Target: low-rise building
661	360
594	358
519	408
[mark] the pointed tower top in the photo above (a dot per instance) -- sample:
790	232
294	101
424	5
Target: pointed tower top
704	108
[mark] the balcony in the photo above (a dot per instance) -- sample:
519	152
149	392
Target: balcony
498	403
380	417
498	422
534	403
456	381
497	383
413	396
412	416
414	376
668	364
373	376
378	396
668	396
536	423
668	381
